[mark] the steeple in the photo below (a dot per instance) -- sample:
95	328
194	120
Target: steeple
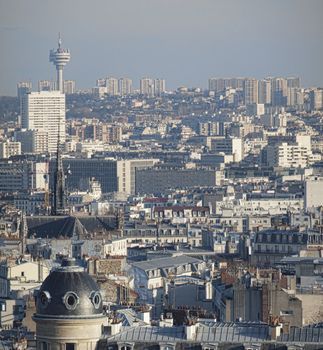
23	231
59	205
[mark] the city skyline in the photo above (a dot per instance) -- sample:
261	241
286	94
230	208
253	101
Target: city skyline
227	39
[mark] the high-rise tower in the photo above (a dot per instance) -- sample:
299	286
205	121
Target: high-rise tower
59	57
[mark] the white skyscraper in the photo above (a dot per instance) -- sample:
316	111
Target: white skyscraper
159	86
125	86
264	91
69	87
251	91
147	87
46	85
112	86
45	111
23	87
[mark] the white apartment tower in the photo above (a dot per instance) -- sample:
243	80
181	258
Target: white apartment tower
23	87
45	112
112	86
147	87
159	86
251	91
46	85
69	87
125	86
264	91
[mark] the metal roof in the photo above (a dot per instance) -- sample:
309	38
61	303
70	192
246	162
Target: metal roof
303	335
166	262
219	332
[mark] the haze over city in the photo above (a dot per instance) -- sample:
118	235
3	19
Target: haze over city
161	175
184	42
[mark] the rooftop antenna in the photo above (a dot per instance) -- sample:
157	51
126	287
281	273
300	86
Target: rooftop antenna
59	40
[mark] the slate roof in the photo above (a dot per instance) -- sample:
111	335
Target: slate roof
129	318
163	263
303	335
220	332
68	226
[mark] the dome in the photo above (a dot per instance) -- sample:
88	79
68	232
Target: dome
69	291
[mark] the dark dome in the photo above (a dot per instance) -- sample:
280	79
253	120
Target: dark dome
69	291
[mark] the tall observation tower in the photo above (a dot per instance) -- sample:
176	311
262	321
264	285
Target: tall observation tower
59	57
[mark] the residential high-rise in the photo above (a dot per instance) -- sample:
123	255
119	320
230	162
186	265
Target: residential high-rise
251	91
318	99
59	57
23	88
264	91
295	97
69	87
125	86
45	111
101	82
216	84
147	87
159	87
220	84
112	86
46	85
293	82
279	91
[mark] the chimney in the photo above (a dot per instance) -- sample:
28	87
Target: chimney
190	330
208	290
167	321
276	331
144	314
115	326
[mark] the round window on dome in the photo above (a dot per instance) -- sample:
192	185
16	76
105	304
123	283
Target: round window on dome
44	298
70	300
96	299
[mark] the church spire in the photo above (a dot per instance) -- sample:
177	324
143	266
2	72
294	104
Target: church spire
23	232
59	205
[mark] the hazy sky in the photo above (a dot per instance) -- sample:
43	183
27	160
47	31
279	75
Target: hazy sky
183	41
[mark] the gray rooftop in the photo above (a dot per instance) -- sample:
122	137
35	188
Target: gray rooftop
166	262
219	332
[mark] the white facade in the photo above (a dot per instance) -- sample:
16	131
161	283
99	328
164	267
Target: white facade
125	86
251	91
289	156
112	86
32	141
99	91
46	85
147	86
117	247
229	146
318	99
9	148
159	86
21	276
69	87
313	193
45	111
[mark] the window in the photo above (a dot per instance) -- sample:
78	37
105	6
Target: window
44	346
286	312
70	346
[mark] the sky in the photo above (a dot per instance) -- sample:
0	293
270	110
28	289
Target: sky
182	41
